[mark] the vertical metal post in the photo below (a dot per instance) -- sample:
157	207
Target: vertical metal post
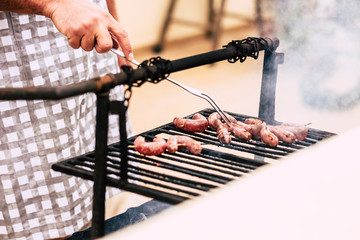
268	85
101	138
123	142
119	108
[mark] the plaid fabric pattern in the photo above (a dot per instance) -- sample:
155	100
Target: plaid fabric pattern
35	201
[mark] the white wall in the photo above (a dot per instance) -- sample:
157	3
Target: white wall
143	19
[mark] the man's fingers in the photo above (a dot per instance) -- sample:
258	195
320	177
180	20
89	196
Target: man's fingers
74	41
104	41
126	47
115	42
121	37
88	42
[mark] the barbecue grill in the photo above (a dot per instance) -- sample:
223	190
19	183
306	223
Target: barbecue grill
175	177
170	177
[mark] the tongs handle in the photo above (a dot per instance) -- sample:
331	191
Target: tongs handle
187	88
121	54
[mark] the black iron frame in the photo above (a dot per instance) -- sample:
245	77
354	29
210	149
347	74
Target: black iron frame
102	85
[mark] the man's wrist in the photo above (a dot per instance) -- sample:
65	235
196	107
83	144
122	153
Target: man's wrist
40	7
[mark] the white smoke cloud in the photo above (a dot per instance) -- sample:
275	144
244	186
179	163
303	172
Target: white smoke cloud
321	41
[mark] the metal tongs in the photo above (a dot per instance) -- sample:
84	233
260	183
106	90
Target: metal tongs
187	88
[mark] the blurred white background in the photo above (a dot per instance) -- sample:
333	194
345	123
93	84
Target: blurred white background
144	19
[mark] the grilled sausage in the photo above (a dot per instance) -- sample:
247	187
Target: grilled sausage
252	127
222	130
198	123
245	126
172	144
177	141
239	129
256	126
253	121
283	134
231	118
268	137
214	120
223	134
300	131
240	132
156	147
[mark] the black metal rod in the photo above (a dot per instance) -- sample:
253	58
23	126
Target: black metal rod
157	194
101	84
102	122
95	85
123	143
220	55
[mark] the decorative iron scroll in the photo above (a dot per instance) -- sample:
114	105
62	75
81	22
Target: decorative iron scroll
163	67
244	51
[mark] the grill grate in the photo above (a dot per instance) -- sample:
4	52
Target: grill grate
175	177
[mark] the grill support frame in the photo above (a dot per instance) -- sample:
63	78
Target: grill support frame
99	187
101	86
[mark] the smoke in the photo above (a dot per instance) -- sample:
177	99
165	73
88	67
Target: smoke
321	41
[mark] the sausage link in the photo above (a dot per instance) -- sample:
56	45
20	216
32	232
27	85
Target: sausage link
172	144
198	116
268	137
223	134
231	118
240	132
156	147
245	126
300	131
214	120
184	142
256	126
283	134
198	123
253	121
255	130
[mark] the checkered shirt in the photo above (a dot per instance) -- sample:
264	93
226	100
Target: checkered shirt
35	201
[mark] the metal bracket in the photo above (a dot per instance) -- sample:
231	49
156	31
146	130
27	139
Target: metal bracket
268	85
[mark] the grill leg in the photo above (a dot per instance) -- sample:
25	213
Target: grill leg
102	124
268	85
119	108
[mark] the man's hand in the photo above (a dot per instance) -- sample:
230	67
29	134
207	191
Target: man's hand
84	23
88	26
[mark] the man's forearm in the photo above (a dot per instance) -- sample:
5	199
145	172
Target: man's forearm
40	7
112	9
